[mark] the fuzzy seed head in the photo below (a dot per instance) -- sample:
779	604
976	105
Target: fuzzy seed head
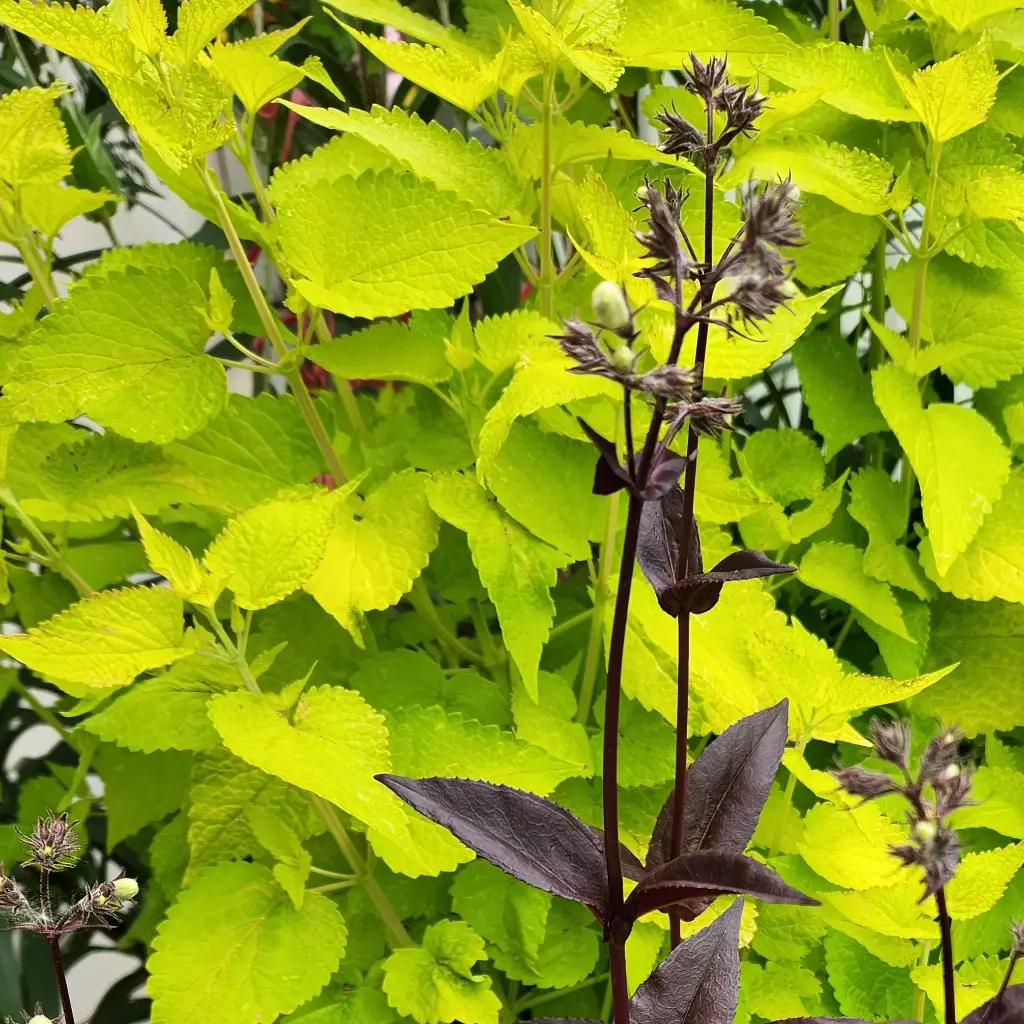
610	306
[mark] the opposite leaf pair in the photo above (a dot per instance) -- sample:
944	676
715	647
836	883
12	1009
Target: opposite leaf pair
542	844
698	982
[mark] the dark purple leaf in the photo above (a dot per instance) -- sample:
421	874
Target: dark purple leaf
632	866
698	982
662	479
528	837
1007	1008
659	553
837	1020
661	539
726	787
686	884
609	476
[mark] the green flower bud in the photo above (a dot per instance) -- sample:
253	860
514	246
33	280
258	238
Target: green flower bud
40	1019
610	306
623	359
925	830
126	888
643	193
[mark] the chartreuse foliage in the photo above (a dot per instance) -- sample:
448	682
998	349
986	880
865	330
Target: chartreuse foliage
253	604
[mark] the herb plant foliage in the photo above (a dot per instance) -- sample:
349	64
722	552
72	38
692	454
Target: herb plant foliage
572	479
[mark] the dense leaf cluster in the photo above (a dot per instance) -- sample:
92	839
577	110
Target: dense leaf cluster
301	533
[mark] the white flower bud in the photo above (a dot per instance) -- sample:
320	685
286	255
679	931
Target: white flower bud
40	1019
925	830
643	193
610	306
951	771
126	888
623	359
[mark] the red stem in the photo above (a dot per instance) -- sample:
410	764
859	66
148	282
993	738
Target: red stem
62	982
689	493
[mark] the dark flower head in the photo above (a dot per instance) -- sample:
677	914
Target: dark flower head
663	238
705	80
1017	930
952	789
858	781
11	896
757	295
742	108
102	904
771	215
891	741
53	844
579	342
936	849
678	136
941	753
669	381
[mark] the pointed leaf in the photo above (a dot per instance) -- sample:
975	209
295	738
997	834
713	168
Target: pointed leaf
659	554
696	875
698	982
400	243
106	640
727	786
526	836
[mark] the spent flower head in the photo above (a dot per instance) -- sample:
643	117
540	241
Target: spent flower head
53	844
771	217
742	107
941	786
891	741
705	80
678	136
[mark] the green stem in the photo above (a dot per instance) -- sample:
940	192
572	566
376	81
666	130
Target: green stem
920	995
345	393
251	367
787	801
546	277
530	1002
423	603
363	872
44	713
605	557
843	633
40	271
490	650
359	866
833	20
576	620
270	325
245	157
56	559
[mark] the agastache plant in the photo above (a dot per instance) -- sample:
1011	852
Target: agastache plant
940	785
53	846
696	850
